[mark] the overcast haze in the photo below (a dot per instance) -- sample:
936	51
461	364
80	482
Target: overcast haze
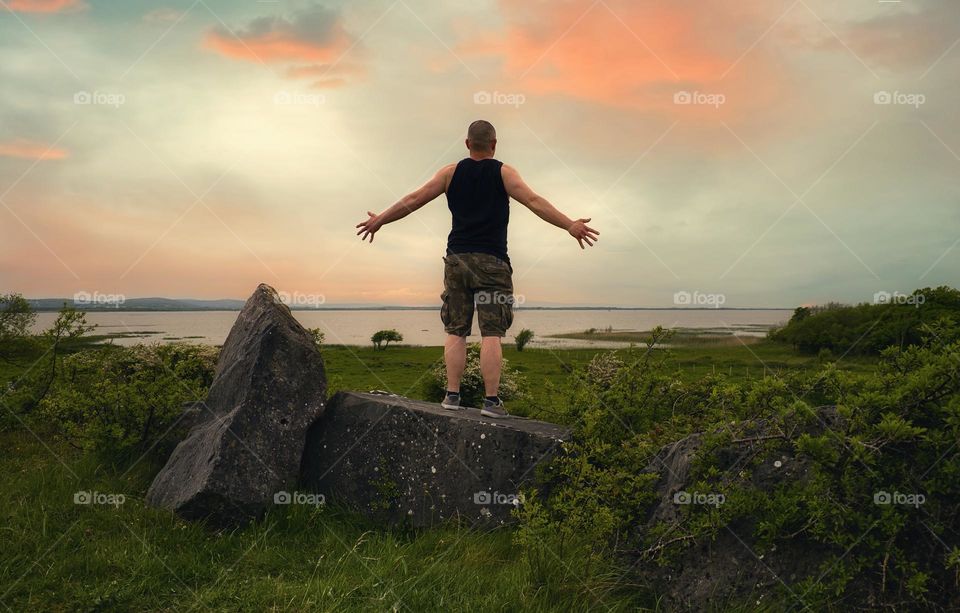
775	152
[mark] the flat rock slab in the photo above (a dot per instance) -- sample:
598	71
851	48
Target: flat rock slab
400	460
247	437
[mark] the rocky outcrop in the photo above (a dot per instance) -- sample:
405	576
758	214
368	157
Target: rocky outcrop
401	460
247	438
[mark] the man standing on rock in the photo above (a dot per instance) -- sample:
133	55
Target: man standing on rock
477	273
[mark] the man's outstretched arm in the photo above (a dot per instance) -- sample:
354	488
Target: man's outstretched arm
521	192
406	205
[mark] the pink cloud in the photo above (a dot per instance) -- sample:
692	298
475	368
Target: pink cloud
636	56
311	41
45	6
31	150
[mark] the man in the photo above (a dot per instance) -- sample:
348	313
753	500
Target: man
477	272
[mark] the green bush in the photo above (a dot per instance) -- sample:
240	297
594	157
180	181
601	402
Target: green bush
122	401
44	354
896	431
434	386
523	337
319	336
869	328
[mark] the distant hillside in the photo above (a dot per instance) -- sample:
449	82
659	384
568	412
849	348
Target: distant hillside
139	304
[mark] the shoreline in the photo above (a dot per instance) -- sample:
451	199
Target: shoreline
88	309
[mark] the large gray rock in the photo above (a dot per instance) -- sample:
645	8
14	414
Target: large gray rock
400	460
247	438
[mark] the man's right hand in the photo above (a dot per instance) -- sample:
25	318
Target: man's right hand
369	226
583	233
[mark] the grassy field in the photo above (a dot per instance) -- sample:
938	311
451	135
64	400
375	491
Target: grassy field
401	369
728	337
59	556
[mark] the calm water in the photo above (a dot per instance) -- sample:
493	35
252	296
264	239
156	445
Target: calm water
419	327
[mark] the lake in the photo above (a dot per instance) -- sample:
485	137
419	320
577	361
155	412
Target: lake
354	327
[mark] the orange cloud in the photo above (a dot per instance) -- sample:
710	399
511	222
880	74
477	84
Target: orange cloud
314	40
275	47
31	150
45	6
635	55
163	15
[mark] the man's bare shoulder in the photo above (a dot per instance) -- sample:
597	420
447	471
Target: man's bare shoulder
510	176
446	173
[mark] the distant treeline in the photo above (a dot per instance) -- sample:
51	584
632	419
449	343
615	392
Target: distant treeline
892	320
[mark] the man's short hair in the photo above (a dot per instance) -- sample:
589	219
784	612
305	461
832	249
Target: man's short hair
481	135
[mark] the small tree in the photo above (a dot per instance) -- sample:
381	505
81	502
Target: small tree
16	319
800	313
383	338
523	337
60	338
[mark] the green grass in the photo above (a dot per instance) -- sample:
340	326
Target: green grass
399	369
681	336
403	369
59	556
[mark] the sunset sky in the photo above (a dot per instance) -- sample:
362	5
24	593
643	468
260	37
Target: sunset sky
777	152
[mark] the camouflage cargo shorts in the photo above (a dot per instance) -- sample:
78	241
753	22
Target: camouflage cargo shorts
481	282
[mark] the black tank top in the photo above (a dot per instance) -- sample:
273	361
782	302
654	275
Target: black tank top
481	208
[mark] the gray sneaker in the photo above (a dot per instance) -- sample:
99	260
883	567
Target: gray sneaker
494	410
451	402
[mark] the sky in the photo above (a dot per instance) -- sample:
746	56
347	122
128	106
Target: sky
766	152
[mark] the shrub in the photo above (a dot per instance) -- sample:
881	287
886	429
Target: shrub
869	328
63	336
603	368
318	336
120	401
825	355
434	386
896	431
522	338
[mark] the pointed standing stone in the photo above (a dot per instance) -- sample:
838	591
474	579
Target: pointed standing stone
248	436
